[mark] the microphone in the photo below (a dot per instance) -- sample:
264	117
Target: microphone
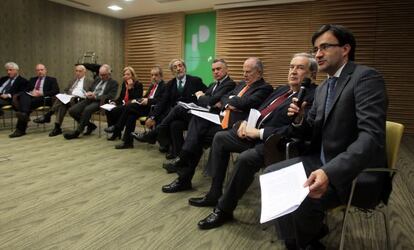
302	93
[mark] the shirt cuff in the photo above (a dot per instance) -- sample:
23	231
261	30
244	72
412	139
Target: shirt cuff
261	131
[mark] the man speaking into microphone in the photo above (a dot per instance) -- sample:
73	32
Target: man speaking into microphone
249	142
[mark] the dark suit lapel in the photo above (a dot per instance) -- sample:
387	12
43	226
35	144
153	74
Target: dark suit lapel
340	84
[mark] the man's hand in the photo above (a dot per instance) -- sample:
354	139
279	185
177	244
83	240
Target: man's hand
231	107
90	95
199	93
36	93
4	96
318	183
144	101
150	123
218	105
252	133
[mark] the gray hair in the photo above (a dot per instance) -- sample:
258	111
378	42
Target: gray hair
81	66
258	64
221	61
12	65
171	64
313	65
107	68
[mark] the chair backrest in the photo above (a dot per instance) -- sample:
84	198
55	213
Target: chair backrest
394	132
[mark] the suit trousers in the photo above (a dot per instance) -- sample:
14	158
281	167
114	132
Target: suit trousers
305	224
129	119
26	104
82	112
171	129
115	114
200	134
224	143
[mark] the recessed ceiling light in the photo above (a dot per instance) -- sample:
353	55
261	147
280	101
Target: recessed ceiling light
114	7
128	0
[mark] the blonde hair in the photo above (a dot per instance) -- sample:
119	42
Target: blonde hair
130	69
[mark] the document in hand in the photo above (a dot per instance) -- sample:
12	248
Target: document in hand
253	117
108	106
192	106
64	98
282	191
214	118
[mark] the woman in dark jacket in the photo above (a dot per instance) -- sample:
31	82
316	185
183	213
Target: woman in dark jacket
131	90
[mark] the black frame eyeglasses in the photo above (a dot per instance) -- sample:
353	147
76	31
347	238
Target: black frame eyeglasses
324	47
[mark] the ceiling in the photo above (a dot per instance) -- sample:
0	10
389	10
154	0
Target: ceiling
133	8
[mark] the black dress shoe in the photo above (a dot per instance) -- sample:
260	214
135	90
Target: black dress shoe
90	128
42	119
17	133
176	186
149	137
172	165
55	132
204	201
169	156
71	135
163	149
114	136
215	219
110	129
124	146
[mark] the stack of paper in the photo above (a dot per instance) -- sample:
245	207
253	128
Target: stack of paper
282	191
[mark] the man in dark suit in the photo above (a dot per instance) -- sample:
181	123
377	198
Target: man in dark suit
178	118
103	89
181	88
140	107
39	92
237	105
11	84
346	125
77	89
249	142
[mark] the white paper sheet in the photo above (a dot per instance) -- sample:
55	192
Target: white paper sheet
205	115
253	117
282	191
108	106
192	106
64	98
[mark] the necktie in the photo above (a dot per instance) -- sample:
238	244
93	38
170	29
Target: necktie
273	105
328	104
215	86
152	92
331	94
74	86
226	118
8	86
98	88
180	86
37	86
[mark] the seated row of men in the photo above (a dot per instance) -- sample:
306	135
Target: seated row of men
344	119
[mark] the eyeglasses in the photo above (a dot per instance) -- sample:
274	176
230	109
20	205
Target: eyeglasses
324	47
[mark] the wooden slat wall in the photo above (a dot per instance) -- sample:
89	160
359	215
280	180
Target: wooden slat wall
384	31
153	40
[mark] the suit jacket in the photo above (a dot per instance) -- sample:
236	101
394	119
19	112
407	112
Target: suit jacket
110	91
210	99
353	132
252	98
159	92
87	84
20	84
172	96
50	86
134	93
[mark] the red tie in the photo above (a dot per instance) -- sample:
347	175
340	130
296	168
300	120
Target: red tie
37	86
272	106
151	94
